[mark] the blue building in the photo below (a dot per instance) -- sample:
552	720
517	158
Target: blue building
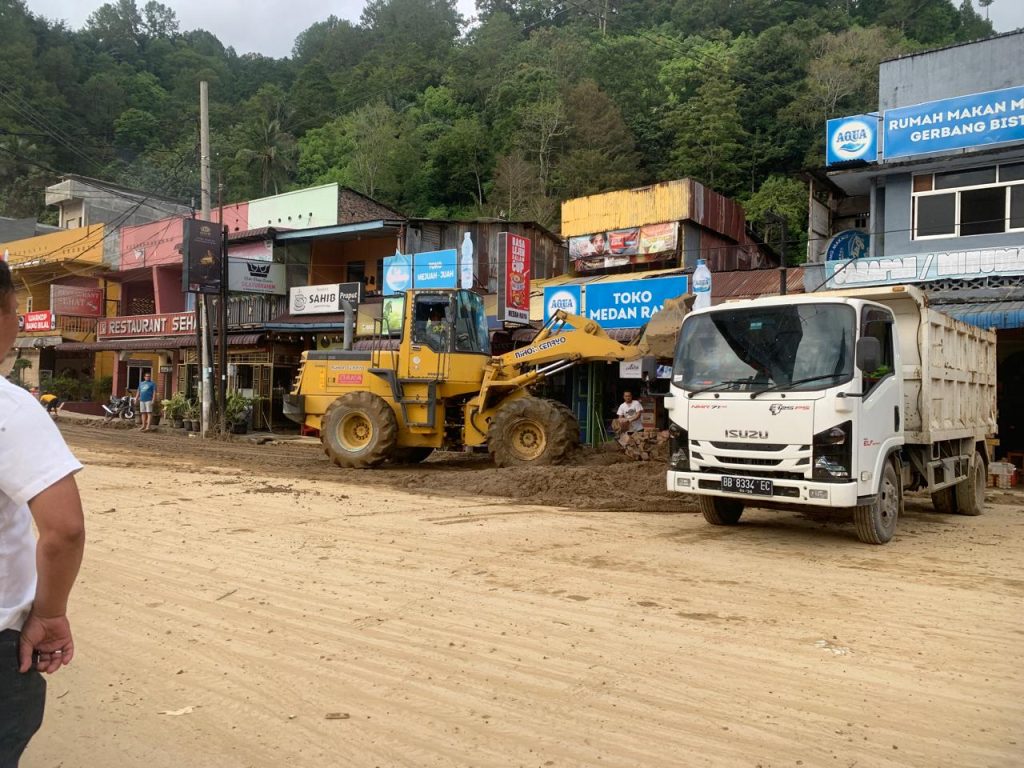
929	191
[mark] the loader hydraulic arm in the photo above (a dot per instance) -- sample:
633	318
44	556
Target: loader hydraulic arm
555	348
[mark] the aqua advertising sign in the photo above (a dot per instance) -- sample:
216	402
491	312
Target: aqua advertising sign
435	269
568	298
630	304
851	138
979	119
397	274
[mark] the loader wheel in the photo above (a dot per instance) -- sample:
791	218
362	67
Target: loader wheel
413	455
571	423
970	492
876	522
530	431
359	430
719	511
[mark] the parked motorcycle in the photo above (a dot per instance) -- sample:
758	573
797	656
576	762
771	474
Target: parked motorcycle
120	408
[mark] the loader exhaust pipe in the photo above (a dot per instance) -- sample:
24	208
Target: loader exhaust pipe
349	323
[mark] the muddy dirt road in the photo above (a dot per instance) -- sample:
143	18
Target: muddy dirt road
246	605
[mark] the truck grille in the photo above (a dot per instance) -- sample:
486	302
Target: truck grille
780	461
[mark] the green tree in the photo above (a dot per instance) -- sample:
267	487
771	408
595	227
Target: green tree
785	197
710	140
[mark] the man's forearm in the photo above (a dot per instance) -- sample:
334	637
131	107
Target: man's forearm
58	515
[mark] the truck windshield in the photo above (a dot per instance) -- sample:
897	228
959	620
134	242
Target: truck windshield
471	333
796	347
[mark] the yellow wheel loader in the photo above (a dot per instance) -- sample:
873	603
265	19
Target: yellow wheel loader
439	387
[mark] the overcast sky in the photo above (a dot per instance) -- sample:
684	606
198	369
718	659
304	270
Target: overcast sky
270	27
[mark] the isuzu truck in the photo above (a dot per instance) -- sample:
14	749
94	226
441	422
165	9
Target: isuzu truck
831	400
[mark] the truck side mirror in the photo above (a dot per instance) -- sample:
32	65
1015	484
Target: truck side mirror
869	353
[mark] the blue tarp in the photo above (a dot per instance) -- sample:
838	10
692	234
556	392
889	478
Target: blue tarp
994	314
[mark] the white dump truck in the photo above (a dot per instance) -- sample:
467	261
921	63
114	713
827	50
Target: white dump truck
838	400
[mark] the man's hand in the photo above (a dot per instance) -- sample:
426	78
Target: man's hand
51	638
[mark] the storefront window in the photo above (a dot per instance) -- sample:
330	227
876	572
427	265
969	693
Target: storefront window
979	201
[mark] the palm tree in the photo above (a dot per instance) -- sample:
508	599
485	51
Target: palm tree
270	154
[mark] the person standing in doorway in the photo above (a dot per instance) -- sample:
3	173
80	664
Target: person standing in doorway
147	393
36	483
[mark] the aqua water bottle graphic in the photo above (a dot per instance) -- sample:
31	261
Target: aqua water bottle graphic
466	263
702	285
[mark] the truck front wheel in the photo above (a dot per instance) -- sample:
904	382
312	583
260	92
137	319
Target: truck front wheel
876	522
719	511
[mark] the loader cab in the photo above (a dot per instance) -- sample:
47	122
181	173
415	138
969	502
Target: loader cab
448	322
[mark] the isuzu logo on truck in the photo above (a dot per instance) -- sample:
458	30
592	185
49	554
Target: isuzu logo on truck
757	434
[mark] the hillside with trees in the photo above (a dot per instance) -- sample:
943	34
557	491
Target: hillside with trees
530	103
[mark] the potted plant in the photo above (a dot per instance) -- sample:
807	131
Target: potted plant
192	417
175	408
236	412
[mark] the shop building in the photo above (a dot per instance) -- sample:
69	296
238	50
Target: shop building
929	191
629	250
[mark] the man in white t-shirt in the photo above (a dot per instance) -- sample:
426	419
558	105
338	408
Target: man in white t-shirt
36	482
628	416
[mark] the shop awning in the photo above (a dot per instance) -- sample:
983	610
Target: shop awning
157	342
993	314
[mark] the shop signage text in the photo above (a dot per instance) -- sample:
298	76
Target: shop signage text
433	269
513	278
848	244
76	301
630	304
44	320
256	277
851	138
995	117
203	257
323	299
948	265
141	326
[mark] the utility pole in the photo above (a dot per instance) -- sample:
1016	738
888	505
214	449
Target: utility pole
771	217
222	305
204	308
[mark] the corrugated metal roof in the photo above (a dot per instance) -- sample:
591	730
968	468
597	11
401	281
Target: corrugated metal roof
993	314
748	283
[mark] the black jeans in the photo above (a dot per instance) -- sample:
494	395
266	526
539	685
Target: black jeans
22	698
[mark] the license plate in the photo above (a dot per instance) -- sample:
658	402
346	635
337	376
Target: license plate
752	486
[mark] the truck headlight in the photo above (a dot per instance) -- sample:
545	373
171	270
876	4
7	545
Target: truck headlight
833	453
678	449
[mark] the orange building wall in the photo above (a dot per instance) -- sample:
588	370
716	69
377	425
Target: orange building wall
328	259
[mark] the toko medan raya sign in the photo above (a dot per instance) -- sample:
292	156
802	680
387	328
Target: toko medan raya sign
626	304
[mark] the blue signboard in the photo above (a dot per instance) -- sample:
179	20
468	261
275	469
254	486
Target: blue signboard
397	274
630	304
848	244
436	269
995	117
568	298
851	138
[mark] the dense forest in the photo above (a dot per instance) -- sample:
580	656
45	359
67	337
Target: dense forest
530	103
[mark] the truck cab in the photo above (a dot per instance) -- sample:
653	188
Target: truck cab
828	400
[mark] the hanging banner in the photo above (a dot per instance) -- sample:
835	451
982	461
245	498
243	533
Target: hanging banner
513	278
947	265
621	247
203	256
994	117
76	301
